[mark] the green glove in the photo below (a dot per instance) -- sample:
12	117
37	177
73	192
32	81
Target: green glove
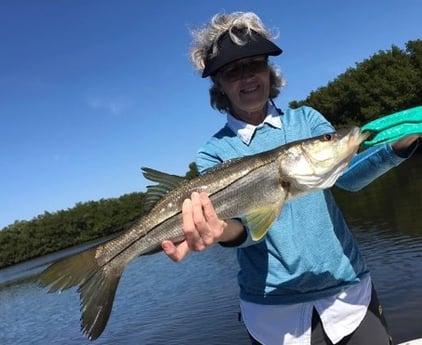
394	127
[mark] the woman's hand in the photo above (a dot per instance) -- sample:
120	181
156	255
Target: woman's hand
201	226
401	147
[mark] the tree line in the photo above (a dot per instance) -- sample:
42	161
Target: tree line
87	221
387	82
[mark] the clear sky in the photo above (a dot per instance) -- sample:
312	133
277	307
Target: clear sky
91	91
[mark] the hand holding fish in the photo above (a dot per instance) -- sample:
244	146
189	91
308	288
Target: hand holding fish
202	228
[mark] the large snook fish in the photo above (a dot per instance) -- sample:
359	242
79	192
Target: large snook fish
253	188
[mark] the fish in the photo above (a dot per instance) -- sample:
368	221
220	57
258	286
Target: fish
253	188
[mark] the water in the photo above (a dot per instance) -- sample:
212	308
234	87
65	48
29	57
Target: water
195	302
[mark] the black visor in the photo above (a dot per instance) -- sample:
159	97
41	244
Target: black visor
228	51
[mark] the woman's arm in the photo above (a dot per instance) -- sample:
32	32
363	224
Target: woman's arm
376	161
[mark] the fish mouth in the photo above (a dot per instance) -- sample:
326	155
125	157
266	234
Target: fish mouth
353	137
357	136
364	136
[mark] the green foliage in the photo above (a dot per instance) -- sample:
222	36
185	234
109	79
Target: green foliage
193	171
387	82
50	232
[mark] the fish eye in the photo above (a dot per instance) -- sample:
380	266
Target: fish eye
327	137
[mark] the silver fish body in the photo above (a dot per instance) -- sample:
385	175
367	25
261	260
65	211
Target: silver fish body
252	188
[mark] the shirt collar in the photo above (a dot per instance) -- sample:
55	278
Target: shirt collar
245	131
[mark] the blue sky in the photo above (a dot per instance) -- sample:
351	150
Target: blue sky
91	91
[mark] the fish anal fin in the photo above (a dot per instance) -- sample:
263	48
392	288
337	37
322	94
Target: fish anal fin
260	220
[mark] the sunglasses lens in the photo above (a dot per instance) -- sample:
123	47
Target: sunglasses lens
238	70
258	66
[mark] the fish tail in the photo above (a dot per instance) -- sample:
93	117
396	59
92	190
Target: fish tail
97	287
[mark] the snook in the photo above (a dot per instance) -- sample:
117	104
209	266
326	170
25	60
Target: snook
253	188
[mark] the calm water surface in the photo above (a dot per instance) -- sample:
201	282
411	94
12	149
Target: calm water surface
195	302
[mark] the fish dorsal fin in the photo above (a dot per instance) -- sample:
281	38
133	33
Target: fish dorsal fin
260	220
165	183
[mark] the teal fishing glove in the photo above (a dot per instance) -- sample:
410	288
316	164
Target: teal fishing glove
393	127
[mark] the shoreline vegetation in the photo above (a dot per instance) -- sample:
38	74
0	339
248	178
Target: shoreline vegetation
387	82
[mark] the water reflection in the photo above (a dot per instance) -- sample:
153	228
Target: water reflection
393	202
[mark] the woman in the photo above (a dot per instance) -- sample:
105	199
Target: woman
306	281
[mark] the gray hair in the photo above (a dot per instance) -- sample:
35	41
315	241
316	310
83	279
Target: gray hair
204	42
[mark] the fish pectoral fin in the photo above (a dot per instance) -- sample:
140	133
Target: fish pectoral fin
260	220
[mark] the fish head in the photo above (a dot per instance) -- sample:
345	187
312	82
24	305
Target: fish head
316	163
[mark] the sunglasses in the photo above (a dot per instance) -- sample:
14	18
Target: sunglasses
237	70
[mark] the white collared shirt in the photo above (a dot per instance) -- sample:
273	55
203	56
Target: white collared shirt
245	131
291	324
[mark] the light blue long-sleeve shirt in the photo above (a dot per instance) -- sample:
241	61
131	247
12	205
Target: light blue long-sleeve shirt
309	252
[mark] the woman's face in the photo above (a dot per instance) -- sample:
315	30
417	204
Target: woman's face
246	83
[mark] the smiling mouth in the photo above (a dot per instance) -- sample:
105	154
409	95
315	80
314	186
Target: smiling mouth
250	89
